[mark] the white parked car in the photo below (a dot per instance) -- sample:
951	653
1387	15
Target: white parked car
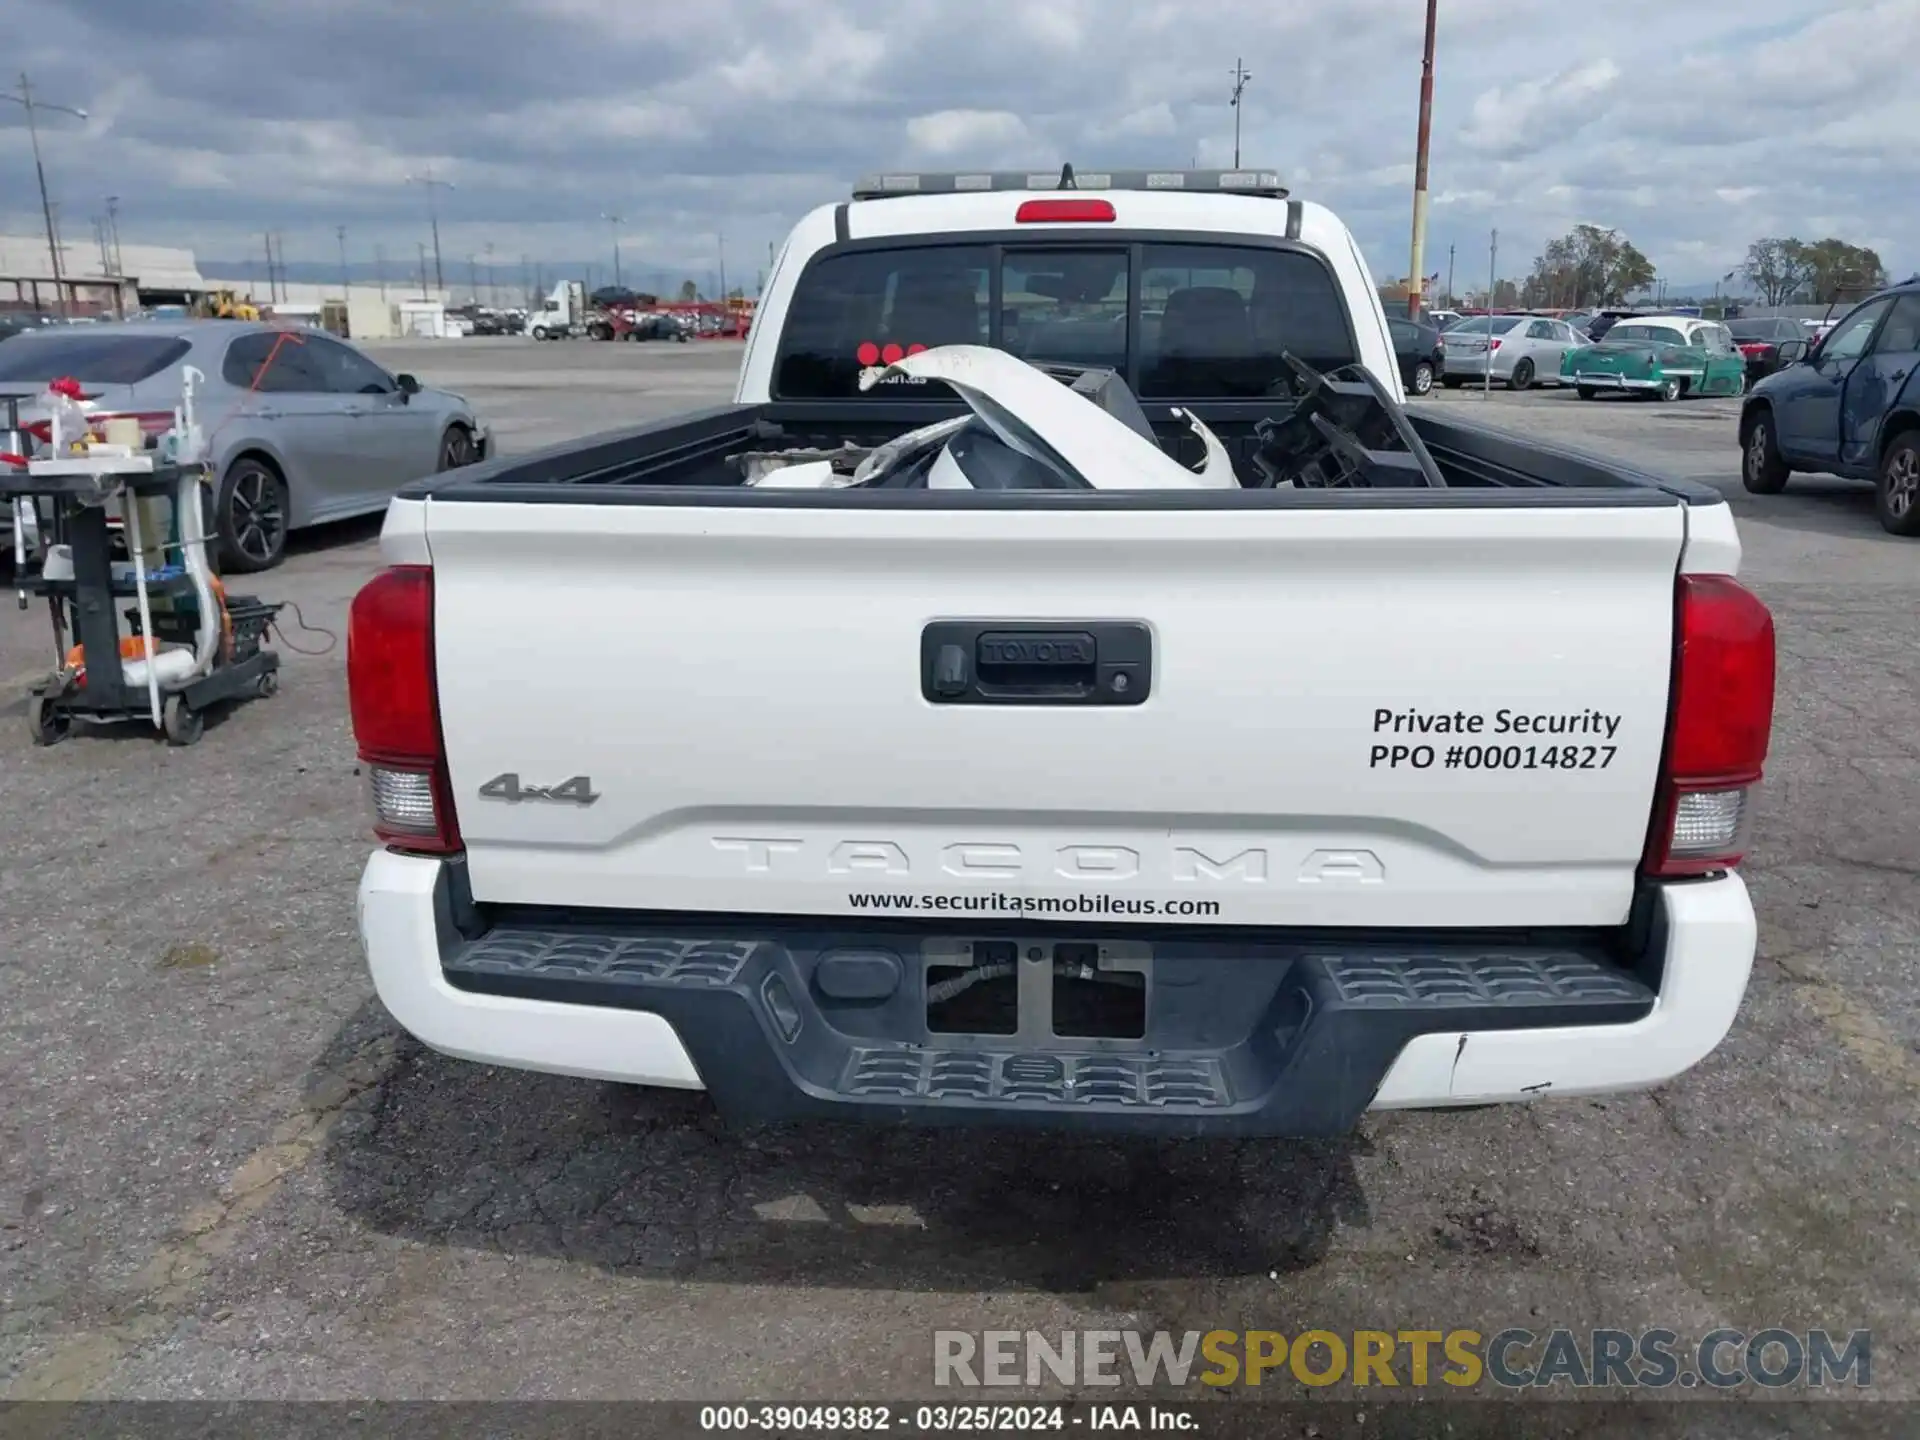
1521	350
1170	733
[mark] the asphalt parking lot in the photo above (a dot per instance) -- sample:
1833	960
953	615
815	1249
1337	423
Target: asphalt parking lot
223	1173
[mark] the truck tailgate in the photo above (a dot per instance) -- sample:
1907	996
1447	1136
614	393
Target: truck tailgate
1381	717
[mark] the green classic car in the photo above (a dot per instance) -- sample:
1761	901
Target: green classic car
1666	356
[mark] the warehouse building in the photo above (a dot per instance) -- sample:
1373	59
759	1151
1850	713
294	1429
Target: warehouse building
104	286
111	282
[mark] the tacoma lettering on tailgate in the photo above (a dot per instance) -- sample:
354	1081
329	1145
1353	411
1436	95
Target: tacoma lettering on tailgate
1214	864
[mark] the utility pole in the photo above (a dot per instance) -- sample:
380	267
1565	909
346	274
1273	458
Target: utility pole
473	277
346	279
720	243
1240	77
25	98
614	222
493	295
423	269
1416	280
380	270
1493	269
268	238
426	181
100	240
1452	297
113	233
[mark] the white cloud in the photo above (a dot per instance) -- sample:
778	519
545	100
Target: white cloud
1675	124
1535	111
960	132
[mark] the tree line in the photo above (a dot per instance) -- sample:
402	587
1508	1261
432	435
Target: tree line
1784	270
1594	265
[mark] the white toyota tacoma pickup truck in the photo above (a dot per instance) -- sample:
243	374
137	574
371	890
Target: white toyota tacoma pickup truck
1065	687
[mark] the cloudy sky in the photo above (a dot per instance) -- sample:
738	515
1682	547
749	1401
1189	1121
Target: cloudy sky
1694	128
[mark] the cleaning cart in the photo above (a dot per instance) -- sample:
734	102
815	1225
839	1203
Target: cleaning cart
186	645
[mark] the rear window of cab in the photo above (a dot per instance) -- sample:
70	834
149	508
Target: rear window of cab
1181	321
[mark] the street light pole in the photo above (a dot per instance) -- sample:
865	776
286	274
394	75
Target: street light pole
425	180
346	279
25	99
1416	278
1493	281
1240	77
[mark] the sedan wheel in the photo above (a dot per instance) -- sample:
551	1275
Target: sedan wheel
250	517
1522	377
1423	379
1898	500
1669	390
457	448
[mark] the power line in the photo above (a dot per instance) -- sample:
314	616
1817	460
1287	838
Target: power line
614	222
427	182
26	99
113	234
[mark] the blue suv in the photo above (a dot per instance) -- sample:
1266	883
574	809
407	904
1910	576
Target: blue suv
1848	405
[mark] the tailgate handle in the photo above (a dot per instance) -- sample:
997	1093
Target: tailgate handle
968	662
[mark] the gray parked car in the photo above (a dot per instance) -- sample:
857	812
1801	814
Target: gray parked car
301	427
1526	350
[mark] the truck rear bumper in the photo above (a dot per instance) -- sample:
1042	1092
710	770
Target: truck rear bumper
1322	1032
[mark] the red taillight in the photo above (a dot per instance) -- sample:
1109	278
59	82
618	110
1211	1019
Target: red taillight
396	722
1063	212
1493	345
1754	349
1721	720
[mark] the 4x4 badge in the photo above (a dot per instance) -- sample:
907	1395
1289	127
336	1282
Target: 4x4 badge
577	791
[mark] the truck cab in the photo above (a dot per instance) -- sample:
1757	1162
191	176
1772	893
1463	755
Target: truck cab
561	314
1190	288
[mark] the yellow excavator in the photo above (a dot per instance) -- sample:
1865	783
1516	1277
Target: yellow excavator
225	305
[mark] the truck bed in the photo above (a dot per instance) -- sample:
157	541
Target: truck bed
648	463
